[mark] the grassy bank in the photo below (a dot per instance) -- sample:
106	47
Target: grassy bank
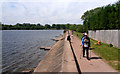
107	53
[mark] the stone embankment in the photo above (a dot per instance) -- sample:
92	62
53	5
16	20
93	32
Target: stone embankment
58	59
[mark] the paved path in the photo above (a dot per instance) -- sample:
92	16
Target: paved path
95	64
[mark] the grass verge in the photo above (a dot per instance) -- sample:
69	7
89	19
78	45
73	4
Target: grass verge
107	53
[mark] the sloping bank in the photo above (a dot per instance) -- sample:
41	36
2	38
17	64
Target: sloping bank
58	59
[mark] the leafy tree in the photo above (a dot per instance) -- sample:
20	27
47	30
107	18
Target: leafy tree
53	26
47	26
106	17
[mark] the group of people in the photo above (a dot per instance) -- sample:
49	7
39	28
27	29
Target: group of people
85	44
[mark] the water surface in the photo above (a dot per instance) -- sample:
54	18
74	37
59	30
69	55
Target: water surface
21	48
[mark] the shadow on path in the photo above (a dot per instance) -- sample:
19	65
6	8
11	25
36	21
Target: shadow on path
95	58
91	48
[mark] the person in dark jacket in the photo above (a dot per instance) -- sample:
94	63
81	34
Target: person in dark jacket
68	38
85	44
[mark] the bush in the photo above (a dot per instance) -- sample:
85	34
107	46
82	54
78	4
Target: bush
110	45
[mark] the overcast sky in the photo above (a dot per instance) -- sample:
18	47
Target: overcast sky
47	11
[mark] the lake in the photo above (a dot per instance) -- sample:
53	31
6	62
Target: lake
21	48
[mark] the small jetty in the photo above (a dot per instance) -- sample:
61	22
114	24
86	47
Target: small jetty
45	48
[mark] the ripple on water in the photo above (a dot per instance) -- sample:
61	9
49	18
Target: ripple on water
21	49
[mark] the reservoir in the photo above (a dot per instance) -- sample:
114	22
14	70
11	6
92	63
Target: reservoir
21	48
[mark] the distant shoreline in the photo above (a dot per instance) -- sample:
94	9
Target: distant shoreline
44	29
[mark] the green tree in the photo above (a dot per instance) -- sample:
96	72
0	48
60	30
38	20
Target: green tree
47	26
106	17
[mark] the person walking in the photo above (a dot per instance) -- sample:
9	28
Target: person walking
85	45
68	38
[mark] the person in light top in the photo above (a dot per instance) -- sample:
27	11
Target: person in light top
85	45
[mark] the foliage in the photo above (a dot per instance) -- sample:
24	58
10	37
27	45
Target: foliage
28	26
106	17
78	28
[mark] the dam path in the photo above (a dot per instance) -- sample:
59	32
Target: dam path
66	56
94	65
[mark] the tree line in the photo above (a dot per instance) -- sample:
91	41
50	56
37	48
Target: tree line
102	18
28	26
